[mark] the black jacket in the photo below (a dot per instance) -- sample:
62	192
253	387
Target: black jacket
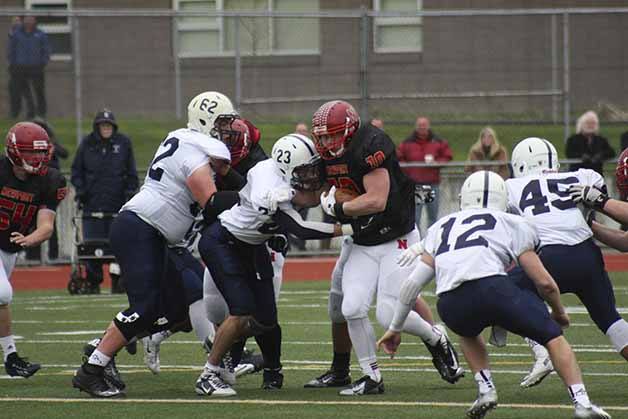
592	153
104	172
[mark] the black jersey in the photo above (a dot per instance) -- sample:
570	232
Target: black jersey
20	201
371	148
256	155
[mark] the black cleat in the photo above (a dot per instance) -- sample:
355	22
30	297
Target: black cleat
273	379
445	360
111	374
365	385
331	378
131	348
20	367
91	379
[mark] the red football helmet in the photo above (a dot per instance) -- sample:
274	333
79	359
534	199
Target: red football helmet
234	132
333	124
28	147
621	175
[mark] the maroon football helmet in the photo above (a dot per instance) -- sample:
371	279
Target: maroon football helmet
234	132
28	146
621	175
333	124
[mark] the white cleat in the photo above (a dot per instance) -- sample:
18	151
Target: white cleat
485	402
209	383
542	368
151	354
243	369
592	412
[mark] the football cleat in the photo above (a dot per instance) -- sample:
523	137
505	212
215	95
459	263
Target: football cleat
131	347
111	374
445	359
485	402
365	385
207	345
227	372
273	379
151	354
250	363
91	379
209	383
331	378
591	412
20	367
542	368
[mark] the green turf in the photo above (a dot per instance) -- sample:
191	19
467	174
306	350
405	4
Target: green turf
306	353
147	134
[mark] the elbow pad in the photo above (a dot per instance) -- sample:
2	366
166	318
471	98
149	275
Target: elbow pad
219	202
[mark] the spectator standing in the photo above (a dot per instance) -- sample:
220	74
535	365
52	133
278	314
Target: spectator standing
58	152
377	122
588	145
28	55
488	148
104	176
423	146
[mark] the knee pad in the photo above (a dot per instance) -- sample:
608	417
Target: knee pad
618	334
334	308
6	293
129	325
353	309
256	328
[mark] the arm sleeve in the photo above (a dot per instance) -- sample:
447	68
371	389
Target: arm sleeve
132	182
233	181
408	292
55	192
292	222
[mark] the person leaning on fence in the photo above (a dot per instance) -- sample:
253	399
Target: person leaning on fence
28	54
588	145
423	146
58	152
104	176
488	148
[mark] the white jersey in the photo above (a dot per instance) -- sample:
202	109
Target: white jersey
250	220
476	243
165	201
544	201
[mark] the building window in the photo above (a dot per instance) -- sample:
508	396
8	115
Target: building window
206	36
58	29
398	34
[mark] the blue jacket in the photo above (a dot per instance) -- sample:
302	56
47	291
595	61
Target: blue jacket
104	172
28	48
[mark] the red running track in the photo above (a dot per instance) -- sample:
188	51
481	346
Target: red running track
296	269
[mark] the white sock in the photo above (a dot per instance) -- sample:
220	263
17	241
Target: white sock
98	358
200	323
8	346
539	350
363	340
579	395
212	367
159	337
484	380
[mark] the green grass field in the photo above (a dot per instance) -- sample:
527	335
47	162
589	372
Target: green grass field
147	134
53	327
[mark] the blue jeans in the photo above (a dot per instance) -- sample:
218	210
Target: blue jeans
432	211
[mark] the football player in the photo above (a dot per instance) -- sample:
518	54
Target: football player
29	194
234	251
469	252
541	195
362	159
178	186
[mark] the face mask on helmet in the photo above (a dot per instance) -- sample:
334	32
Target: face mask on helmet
621	175
308	177
333	125
28	147
234	132
205	108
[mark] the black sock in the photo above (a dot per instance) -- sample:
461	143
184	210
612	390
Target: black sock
236	352
270	345
341	361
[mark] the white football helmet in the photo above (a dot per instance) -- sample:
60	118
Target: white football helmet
534	156
484	189
298	161
205	108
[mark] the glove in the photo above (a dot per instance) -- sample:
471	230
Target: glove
274	197
410	254
424	194
590	196
328	201
279	243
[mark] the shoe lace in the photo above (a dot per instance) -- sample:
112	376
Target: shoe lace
22	362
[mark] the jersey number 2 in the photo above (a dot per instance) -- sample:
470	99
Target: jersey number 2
463	240
157	173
